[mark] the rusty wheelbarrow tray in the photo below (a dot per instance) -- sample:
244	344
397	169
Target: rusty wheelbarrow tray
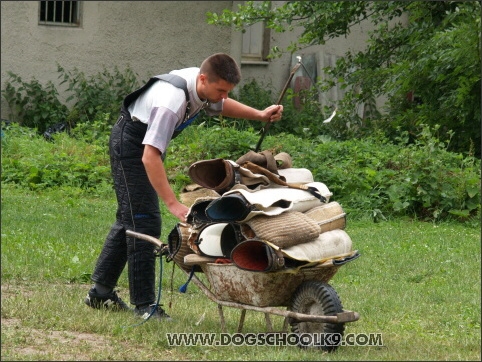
313	305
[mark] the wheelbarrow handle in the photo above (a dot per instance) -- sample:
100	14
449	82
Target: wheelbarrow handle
145	237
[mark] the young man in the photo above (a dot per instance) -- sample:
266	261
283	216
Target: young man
149	119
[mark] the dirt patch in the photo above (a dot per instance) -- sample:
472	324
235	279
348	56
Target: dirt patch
43	342
22	341
50	322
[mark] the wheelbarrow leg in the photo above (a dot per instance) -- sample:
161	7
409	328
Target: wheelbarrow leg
269	325
221	317
241	320
285	325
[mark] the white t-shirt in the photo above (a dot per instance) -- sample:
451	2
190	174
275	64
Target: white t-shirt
163	107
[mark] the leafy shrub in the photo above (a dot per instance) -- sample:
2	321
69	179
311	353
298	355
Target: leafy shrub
411	174
95	132
370	177
304	121
97	94
32	104
95	97
420	179
307	121
252	94
30	161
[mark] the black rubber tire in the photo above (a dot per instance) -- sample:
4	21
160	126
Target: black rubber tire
317	298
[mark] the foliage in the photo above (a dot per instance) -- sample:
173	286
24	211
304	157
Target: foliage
307	120
371	177
32	162
256	96
449	62
32	104
101	93
417	179
96	132
434	55
95	97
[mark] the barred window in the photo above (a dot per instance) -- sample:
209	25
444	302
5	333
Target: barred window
64	13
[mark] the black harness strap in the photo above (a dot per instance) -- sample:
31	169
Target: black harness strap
175	80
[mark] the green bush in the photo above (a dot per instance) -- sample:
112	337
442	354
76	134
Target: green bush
419	179
252	94
98	94
303	115
32	162
95	132
370	177
32	104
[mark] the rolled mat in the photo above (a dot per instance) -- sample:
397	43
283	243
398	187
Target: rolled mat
256	255
217	240
251	179
264	159
189	196
296	175
229	208
179	244
221	175
216	174
283	160
284	230
197	212
328	216
241	204
329	244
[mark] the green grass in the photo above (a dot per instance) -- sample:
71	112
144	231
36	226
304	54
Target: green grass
418	284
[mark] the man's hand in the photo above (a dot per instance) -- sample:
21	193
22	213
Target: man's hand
235	109
273	113
179	210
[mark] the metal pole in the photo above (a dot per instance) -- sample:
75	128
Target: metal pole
268	124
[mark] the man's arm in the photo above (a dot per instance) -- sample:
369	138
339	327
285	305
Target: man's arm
235	109
158	178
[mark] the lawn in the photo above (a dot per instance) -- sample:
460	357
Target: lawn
416	284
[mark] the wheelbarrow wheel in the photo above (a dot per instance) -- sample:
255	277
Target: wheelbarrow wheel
317	298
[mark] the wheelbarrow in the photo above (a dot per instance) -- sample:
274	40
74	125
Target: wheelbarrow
313	306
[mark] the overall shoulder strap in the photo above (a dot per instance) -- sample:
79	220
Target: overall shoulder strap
175	80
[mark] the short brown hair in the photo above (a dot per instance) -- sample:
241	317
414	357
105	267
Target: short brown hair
221	66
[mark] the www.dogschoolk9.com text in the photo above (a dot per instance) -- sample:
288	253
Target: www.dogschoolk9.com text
275	339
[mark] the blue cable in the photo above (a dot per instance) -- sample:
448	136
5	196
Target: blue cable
183	288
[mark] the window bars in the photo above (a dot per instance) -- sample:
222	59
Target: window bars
64	13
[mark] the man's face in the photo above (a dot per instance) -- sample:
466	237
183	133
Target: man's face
214	91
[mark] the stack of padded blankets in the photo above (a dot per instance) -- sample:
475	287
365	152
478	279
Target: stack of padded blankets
261	214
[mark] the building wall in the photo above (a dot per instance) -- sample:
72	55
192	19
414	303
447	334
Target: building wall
150	36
